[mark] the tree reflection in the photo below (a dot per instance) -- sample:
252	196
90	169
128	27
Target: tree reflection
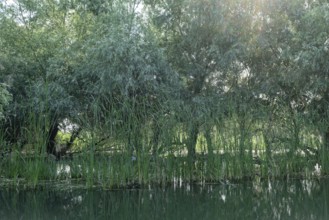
302	199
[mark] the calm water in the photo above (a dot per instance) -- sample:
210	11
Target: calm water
252	200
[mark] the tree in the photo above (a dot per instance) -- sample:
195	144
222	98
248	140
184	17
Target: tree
125	76
93	63
201	40
34	35
5	98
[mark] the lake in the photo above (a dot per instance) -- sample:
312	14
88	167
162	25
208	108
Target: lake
293	199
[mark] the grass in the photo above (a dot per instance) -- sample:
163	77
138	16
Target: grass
119	171
232	148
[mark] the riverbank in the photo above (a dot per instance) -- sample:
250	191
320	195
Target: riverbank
123	171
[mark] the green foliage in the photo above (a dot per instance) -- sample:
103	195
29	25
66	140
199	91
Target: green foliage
5	98
201	88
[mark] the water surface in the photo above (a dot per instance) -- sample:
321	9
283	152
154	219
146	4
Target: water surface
300	199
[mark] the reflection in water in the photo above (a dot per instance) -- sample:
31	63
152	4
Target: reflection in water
303	199
63	170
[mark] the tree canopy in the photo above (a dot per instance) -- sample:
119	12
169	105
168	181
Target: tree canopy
146	73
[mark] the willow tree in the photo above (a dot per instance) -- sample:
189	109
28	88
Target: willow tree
201	41
311	60
126	78
36	36
286	58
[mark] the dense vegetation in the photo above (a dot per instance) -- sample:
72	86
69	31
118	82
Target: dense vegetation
157	91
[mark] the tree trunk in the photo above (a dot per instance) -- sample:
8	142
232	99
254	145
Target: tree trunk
192	142
155	139
209	143
191	147
51	142
326	139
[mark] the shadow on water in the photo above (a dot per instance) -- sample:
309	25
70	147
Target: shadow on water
300	199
